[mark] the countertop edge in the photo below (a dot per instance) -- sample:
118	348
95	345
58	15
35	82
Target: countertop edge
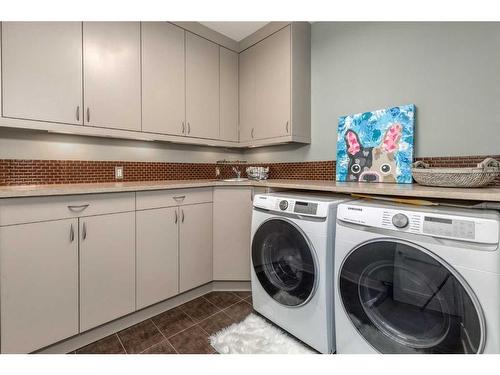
488	194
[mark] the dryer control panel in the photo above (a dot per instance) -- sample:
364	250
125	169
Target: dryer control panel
290	204
431	221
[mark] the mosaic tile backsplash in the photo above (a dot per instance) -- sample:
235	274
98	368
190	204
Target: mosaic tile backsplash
40	172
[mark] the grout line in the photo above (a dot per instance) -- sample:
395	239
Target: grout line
121	343
159	330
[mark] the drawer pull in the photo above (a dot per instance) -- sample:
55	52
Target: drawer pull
179	197
71	233
84	231
78	208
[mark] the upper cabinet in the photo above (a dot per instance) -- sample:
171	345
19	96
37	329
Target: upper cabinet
228	95
272	85
202	87
42	71
247	95
275	88
163	70
112	74
157	81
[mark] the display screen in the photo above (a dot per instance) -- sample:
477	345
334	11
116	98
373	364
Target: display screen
438	220
305	208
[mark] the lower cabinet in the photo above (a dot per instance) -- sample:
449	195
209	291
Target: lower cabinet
232	222
195	250
107	268
39	284
157	255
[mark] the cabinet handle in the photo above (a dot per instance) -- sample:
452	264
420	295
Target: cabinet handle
84	231
71	233
78	113
252	133
189	128
88	114
287	126
183	127
79	208
182	220
179	197
176	217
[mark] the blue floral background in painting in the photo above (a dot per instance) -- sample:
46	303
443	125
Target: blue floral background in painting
370	127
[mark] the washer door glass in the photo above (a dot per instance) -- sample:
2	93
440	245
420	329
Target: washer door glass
283	262
402	299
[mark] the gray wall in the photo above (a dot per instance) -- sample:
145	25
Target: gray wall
22	144
450	71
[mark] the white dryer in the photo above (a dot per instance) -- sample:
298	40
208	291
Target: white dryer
416	279
292	264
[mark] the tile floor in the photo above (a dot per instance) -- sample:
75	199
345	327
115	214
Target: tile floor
184	329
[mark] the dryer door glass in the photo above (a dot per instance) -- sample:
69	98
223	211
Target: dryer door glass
403	299
283	262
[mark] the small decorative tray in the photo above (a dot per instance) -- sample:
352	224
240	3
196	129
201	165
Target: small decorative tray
482	175
257	173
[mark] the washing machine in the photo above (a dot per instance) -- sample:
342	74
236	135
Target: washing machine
293	239
416	279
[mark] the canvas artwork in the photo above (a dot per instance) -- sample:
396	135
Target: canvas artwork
376	146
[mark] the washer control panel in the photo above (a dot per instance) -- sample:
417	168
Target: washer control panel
433	222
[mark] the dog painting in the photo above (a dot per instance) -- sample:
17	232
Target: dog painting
376	146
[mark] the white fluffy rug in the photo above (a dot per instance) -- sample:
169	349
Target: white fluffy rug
255	336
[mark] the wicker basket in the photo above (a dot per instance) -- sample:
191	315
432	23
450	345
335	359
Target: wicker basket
482	175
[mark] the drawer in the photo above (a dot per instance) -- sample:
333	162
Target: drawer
35	209
176	197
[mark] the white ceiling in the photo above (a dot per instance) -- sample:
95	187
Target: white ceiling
235	30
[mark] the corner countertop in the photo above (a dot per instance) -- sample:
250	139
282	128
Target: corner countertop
489	194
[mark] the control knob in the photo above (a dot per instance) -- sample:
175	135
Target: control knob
400	221
283	205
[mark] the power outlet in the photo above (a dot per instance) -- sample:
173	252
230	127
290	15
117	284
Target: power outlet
119	173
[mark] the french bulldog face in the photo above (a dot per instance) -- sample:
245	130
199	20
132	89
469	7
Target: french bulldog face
373	164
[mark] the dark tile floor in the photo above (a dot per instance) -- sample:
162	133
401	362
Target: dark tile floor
184	329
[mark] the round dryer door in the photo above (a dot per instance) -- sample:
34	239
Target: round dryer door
283	261
403	299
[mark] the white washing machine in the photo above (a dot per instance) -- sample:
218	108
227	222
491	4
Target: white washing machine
416	280
292	264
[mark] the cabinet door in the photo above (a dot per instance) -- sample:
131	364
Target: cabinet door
232	222
107	268
202	87
228	95
39	288
195	245
163	89
273	85
247	94
157	255
112	74
42	71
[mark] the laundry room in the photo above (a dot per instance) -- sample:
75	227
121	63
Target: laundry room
189	179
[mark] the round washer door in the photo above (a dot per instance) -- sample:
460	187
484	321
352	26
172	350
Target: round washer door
403	299
284	262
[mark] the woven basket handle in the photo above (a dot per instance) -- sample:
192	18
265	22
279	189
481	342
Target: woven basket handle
489	163
420	164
